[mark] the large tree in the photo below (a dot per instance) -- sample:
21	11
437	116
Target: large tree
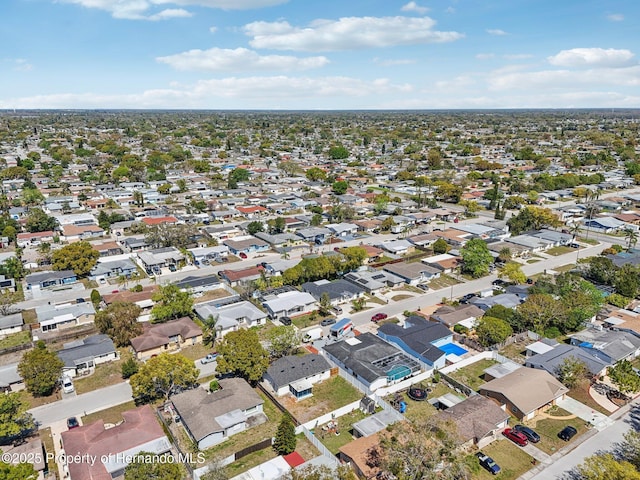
491	330
571	371
533	218
41	370
171	303
539	311
476	258
242	354
150	466
283	340
512	271
120	321
624	377
21	471
162	376
285	440
39	221
606	467
78	256
15	421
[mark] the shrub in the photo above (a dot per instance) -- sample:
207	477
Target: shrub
552	332
618	300
96	298
129	368
461	329
214	385
136	288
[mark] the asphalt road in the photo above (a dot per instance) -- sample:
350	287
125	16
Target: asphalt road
602	441
79	405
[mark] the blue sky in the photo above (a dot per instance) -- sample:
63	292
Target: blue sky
319	54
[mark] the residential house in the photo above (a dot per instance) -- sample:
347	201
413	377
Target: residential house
34	239
525	392
289	304
210	418
343	229
478	420
415	273
205	255
247	245
339	291
237	277
508	300
10	379
607	345
10	324
135	244
606	224
445	262
27	451
371	360
165	337
75	233
67	315
159	220
107	249
140	431
552	360
279	240
357	454
231	316
296	375
314	234
160	257
465	315
398	246
419	338
198	285
50	279
113	269
374	281
81	356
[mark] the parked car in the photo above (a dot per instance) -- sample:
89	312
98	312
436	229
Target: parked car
172	268
72	422
499	283
379	316
211	357
488	463
516	437
465	298
80	300
531	434
67	385
328	321
242	255
285	321
574	245
567	433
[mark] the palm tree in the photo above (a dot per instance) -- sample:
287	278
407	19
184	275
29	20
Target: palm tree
632	238
574	229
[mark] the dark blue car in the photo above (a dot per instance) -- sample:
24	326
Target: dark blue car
488	463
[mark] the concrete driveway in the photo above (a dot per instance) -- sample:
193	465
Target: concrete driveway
586	413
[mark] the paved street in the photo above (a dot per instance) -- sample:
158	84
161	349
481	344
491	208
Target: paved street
602	441
80	405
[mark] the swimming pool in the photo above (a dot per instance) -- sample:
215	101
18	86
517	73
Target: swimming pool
452	348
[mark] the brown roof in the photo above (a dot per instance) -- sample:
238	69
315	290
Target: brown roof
475	417
159	220
101	247
356	452
371	250
156	335
140	426
23	236
450	316
131	296
233	275
527	388
80	229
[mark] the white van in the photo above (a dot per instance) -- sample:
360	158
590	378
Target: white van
67	385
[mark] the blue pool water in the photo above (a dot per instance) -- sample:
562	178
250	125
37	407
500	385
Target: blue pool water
452	348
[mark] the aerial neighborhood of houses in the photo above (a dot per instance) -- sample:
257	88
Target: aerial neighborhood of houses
255	296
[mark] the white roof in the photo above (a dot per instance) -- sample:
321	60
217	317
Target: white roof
613	321
288	300
274	468
539	348
67	317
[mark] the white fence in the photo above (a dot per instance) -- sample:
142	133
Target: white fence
327	417
324	451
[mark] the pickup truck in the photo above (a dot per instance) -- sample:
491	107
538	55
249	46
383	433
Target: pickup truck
211	357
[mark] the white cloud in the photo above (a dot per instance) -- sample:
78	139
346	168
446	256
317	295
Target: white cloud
170	13
592	57
238	60
213	29
393	62
497	32
21	65
485	56
414	7
143	9
347	33
615	17
263	92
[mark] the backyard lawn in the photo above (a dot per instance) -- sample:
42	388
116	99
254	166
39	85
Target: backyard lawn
471	375
332	441
15	339
512	459
420	410
327	396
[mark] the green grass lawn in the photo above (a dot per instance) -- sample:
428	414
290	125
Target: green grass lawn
15	339
104	375
565	268
398	298
515	351
512	459
581	394
419	410
372	299
549	428
109	415
409	288
561	250
333	393
471	375
533	260
29	316
308	320
334	442
443	282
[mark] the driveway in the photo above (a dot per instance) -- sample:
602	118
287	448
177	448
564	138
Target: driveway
586	413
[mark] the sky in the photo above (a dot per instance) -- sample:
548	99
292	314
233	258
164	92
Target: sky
319	54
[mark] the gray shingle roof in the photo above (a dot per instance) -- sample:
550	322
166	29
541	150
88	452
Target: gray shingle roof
89	348
292	368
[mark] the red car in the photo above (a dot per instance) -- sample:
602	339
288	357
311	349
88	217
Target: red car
379	316
242	255
516	437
